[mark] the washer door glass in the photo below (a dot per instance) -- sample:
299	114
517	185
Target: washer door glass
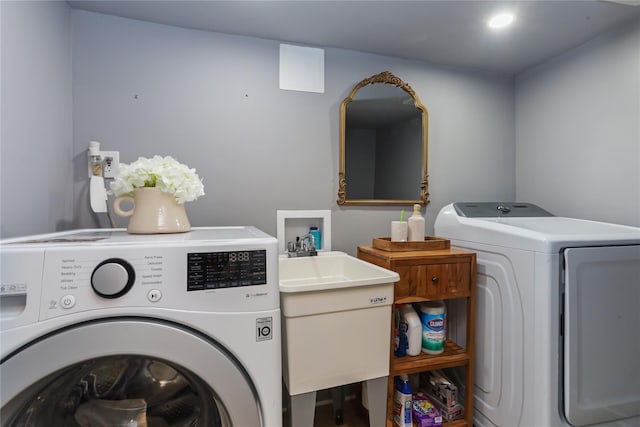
130	391
131	372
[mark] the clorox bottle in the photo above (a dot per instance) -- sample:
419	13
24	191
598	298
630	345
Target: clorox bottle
433	316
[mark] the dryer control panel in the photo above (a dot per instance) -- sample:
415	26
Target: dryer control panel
500	209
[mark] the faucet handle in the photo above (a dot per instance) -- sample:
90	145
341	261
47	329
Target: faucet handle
312	241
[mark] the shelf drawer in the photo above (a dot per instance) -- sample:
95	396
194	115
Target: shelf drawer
431	281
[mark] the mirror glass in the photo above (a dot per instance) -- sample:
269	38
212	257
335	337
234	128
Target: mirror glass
383	144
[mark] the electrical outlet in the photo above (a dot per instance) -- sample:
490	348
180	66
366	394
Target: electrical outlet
110	163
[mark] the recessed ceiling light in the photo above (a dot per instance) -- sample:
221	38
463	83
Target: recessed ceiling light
500	20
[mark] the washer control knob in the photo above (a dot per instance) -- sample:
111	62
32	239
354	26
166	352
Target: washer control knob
112	278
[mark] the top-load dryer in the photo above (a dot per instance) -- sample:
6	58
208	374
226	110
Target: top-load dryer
558	315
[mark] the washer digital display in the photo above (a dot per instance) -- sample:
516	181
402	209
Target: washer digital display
217	270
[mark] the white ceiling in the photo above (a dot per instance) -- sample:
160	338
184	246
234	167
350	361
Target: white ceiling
445	32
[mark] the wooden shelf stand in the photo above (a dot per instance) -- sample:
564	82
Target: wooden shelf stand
432	275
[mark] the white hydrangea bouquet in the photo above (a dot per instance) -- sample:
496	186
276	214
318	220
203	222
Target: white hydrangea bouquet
163	173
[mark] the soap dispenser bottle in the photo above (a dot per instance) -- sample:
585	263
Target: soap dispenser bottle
416	225
317	237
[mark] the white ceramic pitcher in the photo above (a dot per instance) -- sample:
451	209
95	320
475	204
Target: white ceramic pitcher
153	211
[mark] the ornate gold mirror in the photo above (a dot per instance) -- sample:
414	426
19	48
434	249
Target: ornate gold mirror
383	144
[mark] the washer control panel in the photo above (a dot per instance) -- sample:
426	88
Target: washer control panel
217	270
113	273
190	279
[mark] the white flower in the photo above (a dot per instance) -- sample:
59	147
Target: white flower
164	173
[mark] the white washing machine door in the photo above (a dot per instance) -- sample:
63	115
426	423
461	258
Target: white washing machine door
132	372
601	339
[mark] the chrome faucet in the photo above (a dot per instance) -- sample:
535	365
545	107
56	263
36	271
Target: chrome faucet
305	246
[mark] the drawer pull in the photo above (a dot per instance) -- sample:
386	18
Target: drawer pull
435	279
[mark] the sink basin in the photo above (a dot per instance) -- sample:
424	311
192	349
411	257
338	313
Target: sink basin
336	312
330	270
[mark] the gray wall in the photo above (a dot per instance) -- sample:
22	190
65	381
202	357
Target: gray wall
213	102
578	131
37	143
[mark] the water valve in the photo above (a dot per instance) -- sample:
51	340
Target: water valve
102	163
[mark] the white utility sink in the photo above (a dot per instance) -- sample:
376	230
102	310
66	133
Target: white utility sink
336	313
330	270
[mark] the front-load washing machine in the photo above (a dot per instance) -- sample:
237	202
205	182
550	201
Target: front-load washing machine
558	315
101	327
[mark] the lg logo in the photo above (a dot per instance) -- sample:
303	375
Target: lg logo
264	327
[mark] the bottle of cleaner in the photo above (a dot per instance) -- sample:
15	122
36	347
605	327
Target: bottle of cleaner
416	225
316	237
433	315
400	338
402	402
413	327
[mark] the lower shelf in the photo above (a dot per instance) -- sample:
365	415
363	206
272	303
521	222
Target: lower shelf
453	355
455	423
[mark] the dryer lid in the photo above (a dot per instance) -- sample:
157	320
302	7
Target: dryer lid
548	234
